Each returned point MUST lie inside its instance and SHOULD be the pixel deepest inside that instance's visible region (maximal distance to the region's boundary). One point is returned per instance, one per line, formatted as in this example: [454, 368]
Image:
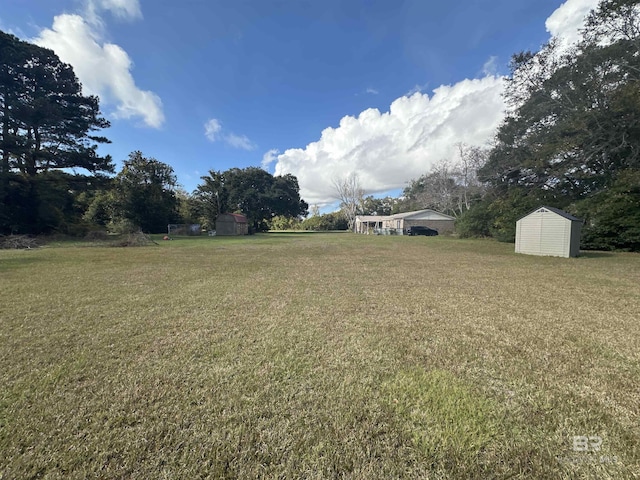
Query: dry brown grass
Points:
[317, 356]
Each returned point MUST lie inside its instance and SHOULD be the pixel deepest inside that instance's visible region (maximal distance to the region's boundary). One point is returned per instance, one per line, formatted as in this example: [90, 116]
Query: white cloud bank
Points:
[104, 69]
[213, 132]
[388, 149]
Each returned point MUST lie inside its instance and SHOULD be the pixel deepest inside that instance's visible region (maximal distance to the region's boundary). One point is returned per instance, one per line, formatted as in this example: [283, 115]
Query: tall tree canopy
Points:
[253, 192]
[576, 121]
[46, 124]
[145, 193]
[573, 131]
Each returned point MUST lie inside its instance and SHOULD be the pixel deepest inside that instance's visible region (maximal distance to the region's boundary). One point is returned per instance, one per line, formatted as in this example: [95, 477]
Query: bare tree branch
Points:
[351, 195]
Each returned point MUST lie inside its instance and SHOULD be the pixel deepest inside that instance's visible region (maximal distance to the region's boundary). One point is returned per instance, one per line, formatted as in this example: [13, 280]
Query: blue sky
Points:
[384, 88]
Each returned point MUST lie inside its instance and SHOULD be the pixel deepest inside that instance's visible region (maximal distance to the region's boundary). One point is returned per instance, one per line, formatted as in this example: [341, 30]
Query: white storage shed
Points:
[548, 231]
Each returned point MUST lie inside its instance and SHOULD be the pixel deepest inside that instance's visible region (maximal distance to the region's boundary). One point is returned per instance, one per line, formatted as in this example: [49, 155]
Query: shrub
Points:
[96, 235]
[612, 216]
[123, 227]
[328, 221]
[475, 222]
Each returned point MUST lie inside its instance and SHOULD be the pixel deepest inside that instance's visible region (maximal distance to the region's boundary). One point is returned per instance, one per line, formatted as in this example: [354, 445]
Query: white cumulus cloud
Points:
[390, 148]
[105, 69]
[567, 20]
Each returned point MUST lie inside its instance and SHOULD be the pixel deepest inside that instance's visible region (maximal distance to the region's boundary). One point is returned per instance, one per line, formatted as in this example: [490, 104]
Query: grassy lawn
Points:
[318, 356]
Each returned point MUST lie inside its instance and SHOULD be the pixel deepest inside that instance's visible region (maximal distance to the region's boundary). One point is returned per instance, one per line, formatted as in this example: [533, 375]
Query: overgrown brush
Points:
[137, 239]
[18, 242]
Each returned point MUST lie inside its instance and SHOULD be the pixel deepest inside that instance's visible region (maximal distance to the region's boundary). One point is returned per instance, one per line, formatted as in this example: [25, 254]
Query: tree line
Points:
[570, 139]
[52, 178]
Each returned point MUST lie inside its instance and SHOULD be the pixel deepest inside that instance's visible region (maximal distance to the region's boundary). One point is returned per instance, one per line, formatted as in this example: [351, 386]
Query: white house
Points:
[400, 222]
[548, 231]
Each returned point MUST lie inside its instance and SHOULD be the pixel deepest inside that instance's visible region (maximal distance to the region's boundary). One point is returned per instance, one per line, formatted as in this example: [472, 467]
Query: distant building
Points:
[548, 231]
[232, 224]
[400, 222]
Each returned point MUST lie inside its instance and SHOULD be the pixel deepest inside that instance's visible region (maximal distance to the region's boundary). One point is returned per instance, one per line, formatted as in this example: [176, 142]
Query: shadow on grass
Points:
[301, 232]
[595, 254]
[7, 264]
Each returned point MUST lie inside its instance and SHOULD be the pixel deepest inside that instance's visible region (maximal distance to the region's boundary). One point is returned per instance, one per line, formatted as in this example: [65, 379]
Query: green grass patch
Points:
[448, 420]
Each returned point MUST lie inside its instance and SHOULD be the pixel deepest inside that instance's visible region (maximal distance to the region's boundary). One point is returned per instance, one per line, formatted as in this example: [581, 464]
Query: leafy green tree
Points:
[46, 124]
[190, 209]
[101, 208]
[326, 222]
[280, 222]
[612, 216]
[475, 222]
[378, 206]
[251, 191]
[211, 197]
[496, 216]
[145, 193]
[573, 132]
[578, 124]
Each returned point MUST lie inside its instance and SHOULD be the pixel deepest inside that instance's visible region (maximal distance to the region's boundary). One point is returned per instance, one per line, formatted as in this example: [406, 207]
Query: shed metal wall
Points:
[547, 233]
[528, 234]
[225, 227]
[555, 233]
[576, 231]
[227, 224]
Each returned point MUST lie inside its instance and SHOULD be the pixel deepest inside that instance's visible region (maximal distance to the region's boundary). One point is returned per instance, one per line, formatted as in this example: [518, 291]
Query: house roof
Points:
[557, 211]
[426, 214]
[371, 218]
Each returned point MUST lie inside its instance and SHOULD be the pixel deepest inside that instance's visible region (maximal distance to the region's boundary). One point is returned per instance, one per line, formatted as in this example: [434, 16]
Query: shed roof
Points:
[239, 218]
[557, 211]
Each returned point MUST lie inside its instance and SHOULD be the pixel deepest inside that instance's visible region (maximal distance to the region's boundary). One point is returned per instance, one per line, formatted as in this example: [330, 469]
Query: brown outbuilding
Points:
[232, 224]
